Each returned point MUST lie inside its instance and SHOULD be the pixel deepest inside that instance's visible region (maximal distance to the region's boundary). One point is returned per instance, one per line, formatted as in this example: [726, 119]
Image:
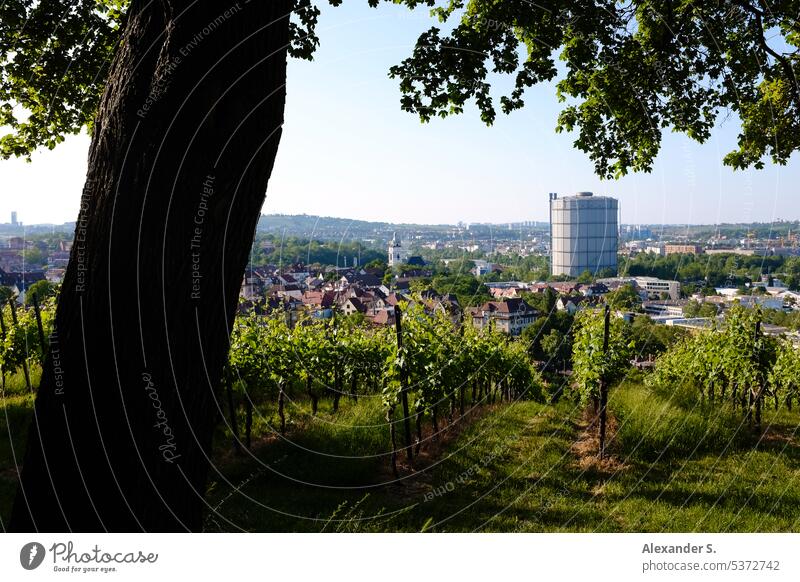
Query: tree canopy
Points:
[625, 71]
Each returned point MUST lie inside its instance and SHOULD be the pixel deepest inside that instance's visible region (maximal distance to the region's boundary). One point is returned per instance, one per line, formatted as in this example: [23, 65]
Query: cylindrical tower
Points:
[584, 234]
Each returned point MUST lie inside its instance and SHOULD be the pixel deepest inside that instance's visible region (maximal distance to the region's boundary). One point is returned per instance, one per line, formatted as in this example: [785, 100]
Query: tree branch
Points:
[780, 58]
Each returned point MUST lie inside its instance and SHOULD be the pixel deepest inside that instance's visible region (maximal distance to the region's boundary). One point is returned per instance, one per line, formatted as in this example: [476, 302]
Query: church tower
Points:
[398, 255]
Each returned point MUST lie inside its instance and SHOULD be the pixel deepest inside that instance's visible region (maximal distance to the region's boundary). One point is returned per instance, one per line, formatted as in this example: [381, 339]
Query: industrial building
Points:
[584, 234]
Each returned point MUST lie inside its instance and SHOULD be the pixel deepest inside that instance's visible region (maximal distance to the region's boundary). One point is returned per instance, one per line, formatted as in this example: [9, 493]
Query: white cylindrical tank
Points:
[584, 234]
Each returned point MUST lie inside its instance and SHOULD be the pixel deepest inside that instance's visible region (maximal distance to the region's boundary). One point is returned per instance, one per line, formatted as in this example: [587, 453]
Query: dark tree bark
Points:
[182, 150]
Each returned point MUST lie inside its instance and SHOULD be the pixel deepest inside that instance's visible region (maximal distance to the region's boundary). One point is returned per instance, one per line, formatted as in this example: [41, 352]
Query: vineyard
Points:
[336, 425]
[735, 365]
[426, 370]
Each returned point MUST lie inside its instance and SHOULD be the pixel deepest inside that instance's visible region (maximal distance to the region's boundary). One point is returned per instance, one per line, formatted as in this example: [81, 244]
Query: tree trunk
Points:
[183, 147]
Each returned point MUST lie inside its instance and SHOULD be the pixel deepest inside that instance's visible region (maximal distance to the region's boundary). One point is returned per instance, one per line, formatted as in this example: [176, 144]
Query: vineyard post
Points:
[25, 359]
[39, 325]
[3, 337]
[281, 405]
[393, 438]
[760, 388]
[398, 322]
[604, 386]
[237, 445]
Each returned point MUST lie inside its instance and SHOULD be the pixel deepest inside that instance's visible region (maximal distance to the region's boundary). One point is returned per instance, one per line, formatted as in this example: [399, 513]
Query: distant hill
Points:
[330, 228]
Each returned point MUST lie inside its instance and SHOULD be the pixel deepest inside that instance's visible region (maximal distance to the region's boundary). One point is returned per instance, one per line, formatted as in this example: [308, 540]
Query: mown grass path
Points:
[524, 468]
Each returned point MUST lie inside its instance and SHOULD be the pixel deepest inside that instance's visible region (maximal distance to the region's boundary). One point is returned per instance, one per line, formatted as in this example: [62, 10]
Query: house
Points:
[292, 290]
[353, 305]
[449, 305]
[19, 281]
[256, 282]
[595, 290]
[572, 303]
[364, 280]
[484, 268]
[504, 292]
[55, 276]
[319, 299]
[565, 287]
[510, 316]
[383, 317]
[58, 258]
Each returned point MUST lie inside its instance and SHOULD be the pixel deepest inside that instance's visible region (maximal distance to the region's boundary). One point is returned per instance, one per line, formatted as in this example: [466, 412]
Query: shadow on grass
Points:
[15, 418]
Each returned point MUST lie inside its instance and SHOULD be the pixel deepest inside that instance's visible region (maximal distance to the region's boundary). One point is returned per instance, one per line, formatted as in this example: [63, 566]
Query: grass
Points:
[677, 468]
[678, 465]
[15, 418]
[663, 426]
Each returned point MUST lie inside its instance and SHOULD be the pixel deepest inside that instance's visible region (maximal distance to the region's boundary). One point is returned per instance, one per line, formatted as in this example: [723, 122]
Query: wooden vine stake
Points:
[398, 322]
[25, 370]
[604, 387]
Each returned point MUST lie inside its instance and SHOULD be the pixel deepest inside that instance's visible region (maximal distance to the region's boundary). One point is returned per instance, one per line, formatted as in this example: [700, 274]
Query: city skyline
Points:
[349, 151]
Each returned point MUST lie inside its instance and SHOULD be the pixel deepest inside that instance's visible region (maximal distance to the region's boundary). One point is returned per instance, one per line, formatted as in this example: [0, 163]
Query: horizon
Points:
[777, 221]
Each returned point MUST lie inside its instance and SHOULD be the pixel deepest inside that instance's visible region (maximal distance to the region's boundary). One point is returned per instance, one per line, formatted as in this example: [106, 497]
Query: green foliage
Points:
[469, 290]
[733, 359]
[591, 363]
[697, 309]
[625, 297]
[651, 339]
[712, 270]
[316, 356]
[54, 57]
[556, 325]
[22, 343]
[291, 250]
[631, 70]
[42, 290]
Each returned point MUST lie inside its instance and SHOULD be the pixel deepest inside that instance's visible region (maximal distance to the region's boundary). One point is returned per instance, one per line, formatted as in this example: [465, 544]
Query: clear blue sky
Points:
[349, 151]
